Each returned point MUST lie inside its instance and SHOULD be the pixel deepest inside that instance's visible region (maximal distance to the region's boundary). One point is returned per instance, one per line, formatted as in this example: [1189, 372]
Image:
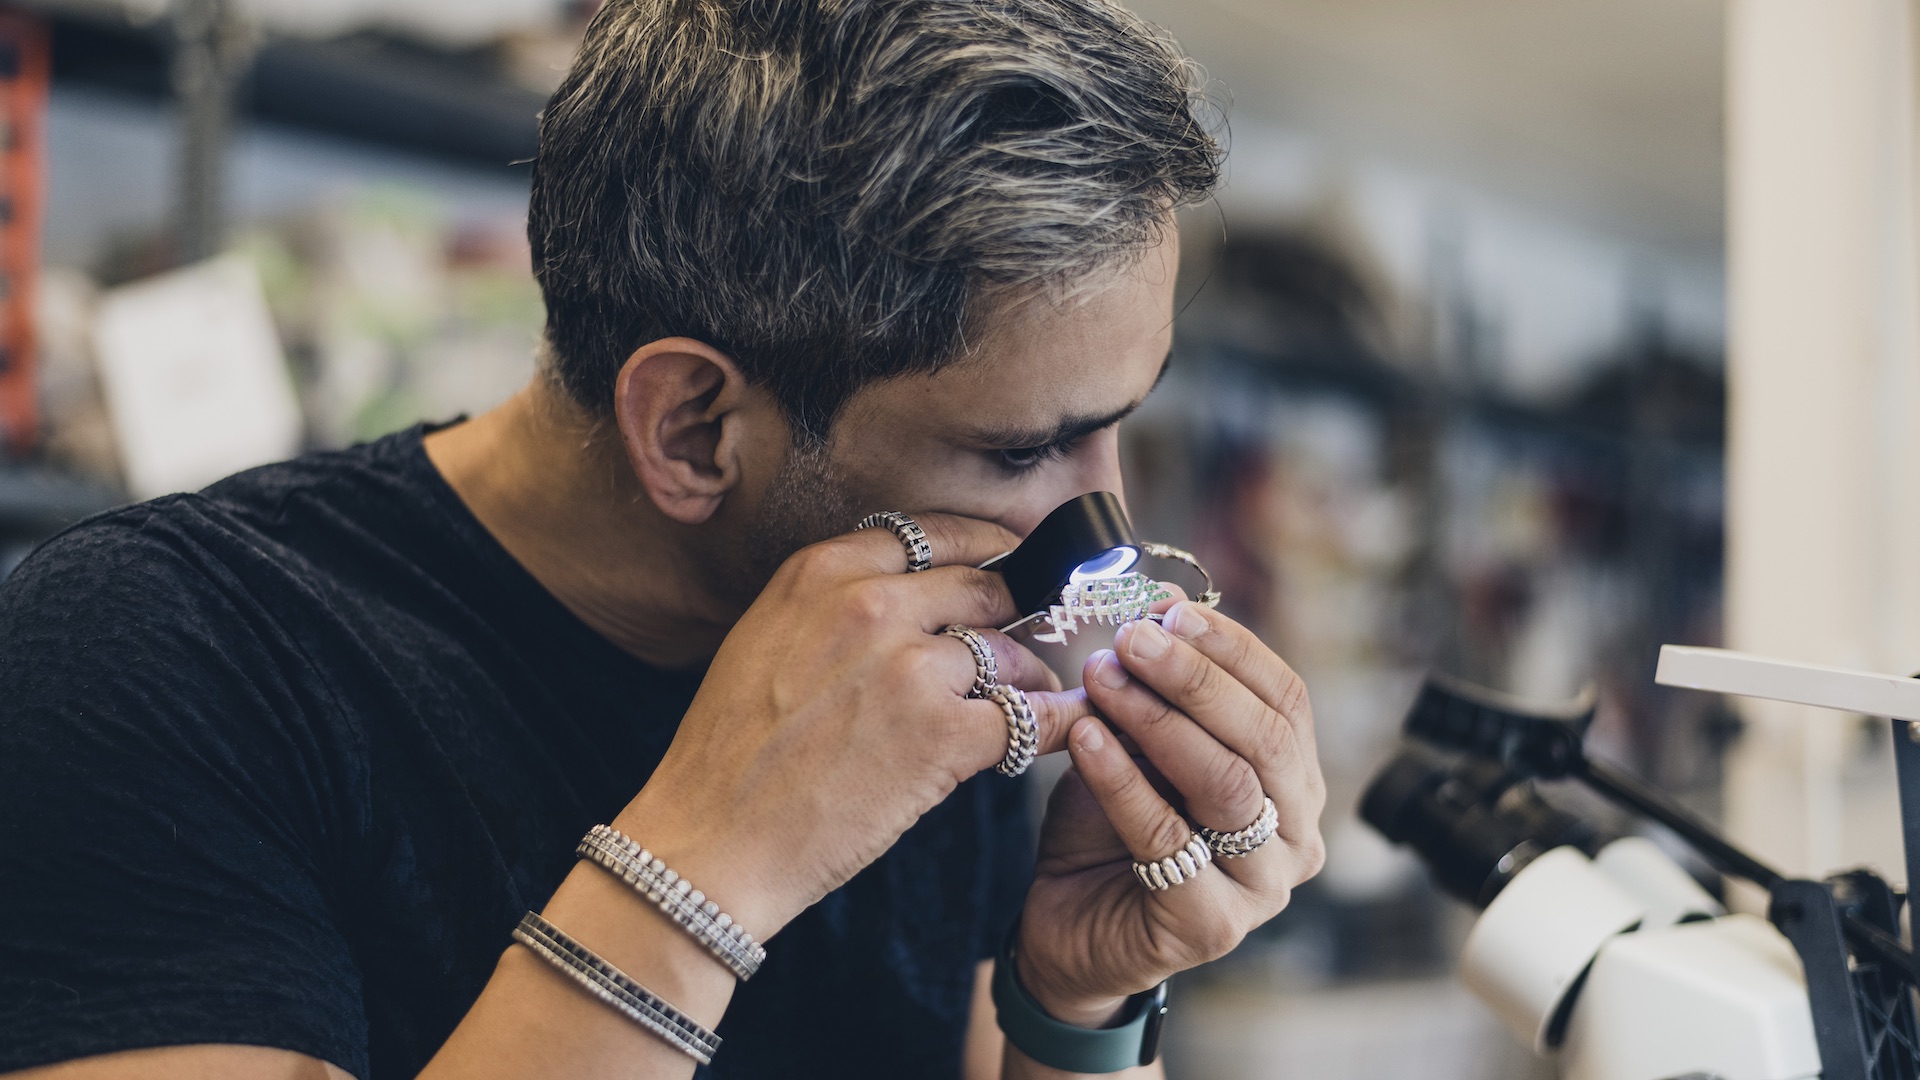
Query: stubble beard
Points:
[809, 500]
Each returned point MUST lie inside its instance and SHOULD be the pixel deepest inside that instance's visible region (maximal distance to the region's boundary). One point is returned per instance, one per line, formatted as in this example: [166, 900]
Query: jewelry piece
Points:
[1207, 597]
[1104, 601]
[687, 906]
[1023, 732]
[1181, 866]
[986, 667]
[613, 987]
[912, 536]
[1232, 845]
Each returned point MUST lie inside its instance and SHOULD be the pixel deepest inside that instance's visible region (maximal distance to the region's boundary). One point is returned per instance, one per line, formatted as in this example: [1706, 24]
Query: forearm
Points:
[532, 1021]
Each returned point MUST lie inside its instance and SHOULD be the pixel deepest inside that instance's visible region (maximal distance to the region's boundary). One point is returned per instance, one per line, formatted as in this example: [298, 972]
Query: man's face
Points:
[1026, 423]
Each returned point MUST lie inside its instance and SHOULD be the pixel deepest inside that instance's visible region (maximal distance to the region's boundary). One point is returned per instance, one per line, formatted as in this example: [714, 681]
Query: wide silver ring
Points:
[986, 666]
[1023, 732]
[912, 537]
[1178, 868]
[1232, 845]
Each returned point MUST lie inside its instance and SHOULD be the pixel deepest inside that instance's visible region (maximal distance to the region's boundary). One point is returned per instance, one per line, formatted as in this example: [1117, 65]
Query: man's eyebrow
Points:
[1068, 429]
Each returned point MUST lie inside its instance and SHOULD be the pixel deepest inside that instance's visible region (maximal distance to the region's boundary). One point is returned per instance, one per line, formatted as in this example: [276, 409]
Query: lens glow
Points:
[1107, 564]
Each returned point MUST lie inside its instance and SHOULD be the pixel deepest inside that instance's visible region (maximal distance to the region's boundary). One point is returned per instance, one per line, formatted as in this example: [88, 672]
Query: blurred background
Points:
[1450, 390]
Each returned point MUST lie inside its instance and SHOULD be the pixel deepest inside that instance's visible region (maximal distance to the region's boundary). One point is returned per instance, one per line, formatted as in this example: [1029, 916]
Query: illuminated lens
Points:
[1111, 563]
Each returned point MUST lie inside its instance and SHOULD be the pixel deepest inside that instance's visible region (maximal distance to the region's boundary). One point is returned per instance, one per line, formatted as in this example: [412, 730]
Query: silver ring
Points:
[986, 667]
[1232, 845]
[912, 537]
[1023, 732]
[1181, 866]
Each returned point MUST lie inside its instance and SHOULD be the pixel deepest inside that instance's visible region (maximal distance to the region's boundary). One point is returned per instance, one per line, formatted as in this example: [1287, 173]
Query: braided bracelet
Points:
[613, 987]
[675, 896]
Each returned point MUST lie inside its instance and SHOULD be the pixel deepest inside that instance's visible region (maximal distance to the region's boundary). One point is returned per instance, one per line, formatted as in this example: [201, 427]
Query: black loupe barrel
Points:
[1079, 531]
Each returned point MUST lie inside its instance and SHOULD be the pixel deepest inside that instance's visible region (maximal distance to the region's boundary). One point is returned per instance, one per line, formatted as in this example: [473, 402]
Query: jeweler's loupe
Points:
[1078, 566]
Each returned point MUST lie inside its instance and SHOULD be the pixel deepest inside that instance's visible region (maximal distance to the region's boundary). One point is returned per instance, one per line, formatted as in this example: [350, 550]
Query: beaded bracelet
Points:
[675, 896]
[613, 987]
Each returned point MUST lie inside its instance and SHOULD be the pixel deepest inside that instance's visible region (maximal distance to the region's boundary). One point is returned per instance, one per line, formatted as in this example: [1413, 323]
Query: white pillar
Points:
[1823, 529]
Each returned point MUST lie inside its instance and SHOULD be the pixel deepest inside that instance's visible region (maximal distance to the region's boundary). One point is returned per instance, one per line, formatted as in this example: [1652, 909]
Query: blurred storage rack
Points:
[198, 98]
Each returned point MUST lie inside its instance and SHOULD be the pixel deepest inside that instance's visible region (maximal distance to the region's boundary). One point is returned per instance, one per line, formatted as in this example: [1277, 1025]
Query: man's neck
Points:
[555, 490]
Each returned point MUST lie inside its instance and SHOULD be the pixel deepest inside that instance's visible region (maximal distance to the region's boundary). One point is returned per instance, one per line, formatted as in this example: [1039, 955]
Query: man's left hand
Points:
[1219, 722]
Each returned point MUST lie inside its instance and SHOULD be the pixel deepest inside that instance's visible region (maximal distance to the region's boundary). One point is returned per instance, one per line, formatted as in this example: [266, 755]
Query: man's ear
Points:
[678, 403]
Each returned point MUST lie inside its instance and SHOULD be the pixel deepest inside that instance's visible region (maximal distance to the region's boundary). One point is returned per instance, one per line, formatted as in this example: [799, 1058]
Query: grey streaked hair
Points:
[836, 191]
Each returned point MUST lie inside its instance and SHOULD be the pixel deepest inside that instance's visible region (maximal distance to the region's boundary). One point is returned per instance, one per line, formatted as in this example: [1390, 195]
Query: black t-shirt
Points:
[283, 762]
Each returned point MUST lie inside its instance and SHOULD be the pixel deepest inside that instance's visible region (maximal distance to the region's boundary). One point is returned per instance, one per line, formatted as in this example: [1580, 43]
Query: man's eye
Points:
[1025, 458]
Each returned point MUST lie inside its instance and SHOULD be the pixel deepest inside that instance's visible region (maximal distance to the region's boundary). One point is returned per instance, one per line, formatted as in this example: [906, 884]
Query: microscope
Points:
[1602, 951]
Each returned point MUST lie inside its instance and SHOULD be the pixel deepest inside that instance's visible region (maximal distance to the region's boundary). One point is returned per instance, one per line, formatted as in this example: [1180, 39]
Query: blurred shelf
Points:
[453, 105]
[1654, 399]
[37, 502]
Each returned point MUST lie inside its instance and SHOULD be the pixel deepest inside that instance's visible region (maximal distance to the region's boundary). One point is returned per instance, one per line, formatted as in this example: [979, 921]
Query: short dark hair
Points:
[830, 191]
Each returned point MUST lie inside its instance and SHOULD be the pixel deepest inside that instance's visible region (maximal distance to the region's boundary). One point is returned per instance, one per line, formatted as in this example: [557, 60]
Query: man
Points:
[283, 763]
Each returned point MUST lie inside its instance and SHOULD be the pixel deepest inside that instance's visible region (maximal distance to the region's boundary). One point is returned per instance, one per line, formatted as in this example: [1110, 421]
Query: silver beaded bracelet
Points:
[613, 987]
[676, 897]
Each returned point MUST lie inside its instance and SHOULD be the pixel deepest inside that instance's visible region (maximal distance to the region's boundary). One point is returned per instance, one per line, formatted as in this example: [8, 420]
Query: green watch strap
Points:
[1064, 1046]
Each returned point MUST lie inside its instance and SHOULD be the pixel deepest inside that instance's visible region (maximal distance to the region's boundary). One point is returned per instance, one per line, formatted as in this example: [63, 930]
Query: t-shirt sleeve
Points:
[164, 813]
[1011, 869]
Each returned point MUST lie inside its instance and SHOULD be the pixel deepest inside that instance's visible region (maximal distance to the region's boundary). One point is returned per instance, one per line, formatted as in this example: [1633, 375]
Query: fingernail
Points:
[1146, 640]
[1186, 621]
[1107, 670]
[1089, 736]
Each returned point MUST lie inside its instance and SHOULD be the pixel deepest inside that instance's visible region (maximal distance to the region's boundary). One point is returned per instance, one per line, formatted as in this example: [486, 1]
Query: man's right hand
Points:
[834, 716]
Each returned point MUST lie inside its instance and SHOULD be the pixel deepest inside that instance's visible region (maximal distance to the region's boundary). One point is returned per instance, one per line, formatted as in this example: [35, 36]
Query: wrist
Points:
[608, 917]
[725, 867]
[1080, 1010]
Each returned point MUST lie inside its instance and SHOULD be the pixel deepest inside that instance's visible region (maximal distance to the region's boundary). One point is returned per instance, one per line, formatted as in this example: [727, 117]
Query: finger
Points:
[1221, 789]
[948, 596]
[1145, 822]
[1279, 749]
[1241, 653]
[1014, 663]
[1056, 712]
[953, 540]
[1019, 665]
[983, 724]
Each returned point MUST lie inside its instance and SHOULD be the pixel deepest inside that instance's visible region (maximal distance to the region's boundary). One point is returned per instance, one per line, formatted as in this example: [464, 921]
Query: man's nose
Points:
[1100, 467]
[1095, 468]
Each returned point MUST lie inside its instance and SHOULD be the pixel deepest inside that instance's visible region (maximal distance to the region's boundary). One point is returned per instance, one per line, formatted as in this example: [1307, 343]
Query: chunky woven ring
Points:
[1232, 845]
[912, 537]
[1181, 866]
[986, 667]
[1023, 732]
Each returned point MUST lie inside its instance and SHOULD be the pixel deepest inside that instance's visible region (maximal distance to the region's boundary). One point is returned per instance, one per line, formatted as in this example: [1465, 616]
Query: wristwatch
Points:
[1075, 1049]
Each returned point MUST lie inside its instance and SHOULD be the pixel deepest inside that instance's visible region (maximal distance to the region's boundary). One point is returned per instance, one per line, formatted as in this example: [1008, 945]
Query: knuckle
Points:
[1244, 652]
[1316, 787]
[814, 560]
[1294, 702]
[1168, 834]
[1200, 682]
[1235, 785]
[1217, 935]
[919, 665]
[1277, 741]
[1155, 711]
[867, 603]
[989, 591]
[1311, 850]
